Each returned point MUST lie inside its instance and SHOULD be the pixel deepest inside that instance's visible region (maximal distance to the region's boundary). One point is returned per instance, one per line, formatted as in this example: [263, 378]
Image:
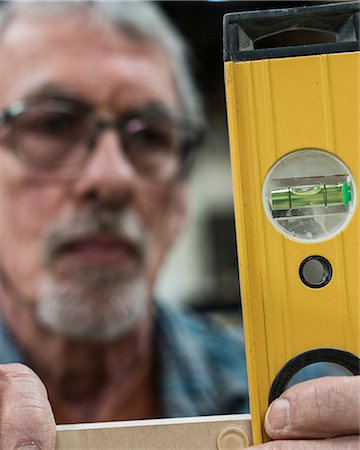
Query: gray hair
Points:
[141, 20]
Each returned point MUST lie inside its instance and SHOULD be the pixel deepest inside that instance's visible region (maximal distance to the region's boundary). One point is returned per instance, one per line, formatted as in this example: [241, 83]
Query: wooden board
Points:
[230, 432]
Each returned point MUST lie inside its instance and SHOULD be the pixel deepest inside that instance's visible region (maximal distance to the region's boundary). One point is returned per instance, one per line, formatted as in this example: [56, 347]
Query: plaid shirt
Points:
[201, 365]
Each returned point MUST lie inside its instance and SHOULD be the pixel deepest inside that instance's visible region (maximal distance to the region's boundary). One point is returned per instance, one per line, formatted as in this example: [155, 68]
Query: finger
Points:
[320, 408]
[343, 443]
[26, 417]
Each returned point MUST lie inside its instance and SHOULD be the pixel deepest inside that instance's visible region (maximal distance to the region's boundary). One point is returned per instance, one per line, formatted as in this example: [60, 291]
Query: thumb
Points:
[26, 418]
[320, 408]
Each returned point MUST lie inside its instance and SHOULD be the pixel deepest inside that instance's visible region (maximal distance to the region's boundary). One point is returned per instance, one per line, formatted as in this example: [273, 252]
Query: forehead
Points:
[85, 55]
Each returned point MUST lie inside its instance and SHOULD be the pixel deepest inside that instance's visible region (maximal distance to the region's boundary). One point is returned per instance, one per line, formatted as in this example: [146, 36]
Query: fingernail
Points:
[28, 446]
[278, 414]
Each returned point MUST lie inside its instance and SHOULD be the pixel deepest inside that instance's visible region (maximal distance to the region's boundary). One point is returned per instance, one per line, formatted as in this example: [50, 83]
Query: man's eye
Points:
[51, 124]
[154, 137]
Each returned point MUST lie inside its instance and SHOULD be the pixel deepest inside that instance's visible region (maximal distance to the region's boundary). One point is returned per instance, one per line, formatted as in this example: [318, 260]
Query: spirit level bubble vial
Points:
[296, 197]
[292, 87]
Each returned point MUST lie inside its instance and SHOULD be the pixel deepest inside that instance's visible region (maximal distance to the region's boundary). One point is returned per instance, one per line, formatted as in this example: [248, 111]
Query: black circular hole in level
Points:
[315, 271]
[342, 358]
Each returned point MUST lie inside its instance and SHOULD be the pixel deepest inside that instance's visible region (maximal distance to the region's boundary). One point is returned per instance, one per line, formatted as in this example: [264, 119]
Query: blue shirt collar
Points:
[9, 350]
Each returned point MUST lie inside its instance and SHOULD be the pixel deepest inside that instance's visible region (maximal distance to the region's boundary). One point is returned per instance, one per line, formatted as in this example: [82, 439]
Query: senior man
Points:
[99, 117]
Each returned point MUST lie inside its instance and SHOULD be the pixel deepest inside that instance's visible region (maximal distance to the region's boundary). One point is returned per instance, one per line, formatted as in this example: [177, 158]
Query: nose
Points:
[108, 176]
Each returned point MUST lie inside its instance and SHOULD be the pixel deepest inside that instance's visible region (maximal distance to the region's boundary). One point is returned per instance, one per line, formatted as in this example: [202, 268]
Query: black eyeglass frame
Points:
[193, 134]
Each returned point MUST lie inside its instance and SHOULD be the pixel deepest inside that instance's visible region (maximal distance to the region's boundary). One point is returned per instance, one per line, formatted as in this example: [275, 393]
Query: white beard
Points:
[97, 304]
[92, 311]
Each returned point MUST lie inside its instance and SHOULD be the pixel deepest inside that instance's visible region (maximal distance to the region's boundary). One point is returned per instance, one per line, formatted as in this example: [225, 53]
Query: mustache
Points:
[115, 223]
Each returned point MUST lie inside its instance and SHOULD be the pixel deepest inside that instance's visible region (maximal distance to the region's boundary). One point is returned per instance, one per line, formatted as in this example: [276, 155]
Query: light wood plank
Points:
[231, 432]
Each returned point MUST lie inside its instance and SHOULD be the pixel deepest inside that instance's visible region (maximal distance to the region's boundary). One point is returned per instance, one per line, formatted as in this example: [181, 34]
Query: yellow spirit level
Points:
[293, 114]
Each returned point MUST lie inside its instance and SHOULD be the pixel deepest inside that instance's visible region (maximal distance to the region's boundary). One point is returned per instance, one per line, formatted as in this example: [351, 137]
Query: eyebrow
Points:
[46, 90]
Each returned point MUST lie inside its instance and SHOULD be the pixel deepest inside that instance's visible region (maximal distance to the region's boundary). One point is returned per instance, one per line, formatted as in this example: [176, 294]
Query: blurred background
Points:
[202, 270]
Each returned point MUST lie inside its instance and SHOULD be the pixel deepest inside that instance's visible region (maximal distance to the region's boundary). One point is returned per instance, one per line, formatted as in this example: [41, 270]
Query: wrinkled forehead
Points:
[82, 52]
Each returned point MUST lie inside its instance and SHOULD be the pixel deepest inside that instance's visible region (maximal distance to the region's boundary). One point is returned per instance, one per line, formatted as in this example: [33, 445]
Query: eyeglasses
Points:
[59, 135]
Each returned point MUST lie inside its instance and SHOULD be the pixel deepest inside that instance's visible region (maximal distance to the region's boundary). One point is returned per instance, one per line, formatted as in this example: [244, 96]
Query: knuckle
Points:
[9, 371]
[322, 398]
[317, 402]
[320, 394]
[20, 378]
[331, 394]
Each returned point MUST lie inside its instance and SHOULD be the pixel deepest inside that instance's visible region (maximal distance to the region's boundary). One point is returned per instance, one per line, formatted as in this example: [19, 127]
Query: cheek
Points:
[154, 205]
[27, 206]
[162, 211]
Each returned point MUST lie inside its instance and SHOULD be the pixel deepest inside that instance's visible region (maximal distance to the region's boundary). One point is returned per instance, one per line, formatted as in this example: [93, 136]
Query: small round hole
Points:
[330, 360]
[315, 271]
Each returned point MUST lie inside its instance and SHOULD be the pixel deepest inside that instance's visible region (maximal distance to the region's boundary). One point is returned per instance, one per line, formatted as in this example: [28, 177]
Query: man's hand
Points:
[316, 415]
[26, 418]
